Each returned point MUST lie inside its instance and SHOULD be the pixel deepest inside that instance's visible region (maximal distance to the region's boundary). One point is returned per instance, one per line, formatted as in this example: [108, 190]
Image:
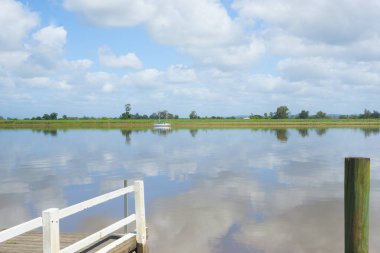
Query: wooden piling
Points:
[356, 204]
[140, 218]
[50, 218]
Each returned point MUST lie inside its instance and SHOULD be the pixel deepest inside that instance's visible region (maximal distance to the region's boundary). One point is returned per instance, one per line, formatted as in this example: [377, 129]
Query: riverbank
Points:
[189, 123]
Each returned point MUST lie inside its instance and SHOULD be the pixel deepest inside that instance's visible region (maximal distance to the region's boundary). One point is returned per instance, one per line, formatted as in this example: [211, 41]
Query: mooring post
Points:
[140, 217]
[356, 204]
[126, 206]
[50, 230]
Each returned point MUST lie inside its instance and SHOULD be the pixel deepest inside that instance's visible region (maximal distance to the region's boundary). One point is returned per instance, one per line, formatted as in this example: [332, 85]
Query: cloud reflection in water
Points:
[269, 191]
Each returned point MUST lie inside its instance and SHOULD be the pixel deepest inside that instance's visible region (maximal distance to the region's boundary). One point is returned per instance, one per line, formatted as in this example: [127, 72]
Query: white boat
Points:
[161, 125]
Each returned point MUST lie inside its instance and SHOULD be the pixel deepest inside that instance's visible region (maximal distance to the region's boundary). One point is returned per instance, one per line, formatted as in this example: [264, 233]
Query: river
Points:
[207, 191]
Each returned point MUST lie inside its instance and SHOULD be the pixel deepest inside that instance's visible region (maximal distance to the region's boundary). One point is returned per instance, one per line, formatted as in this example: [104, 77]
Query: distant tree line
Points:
[51, 116]
[163, 115]
[156, 115]
[54, 116]
[194, 115]
[367, 114]
[282, 112]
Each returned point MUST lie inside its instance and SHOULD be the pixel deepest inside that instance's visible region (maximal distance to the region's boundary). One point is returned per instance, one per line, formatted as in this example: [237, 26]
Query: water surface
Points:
[246, 190]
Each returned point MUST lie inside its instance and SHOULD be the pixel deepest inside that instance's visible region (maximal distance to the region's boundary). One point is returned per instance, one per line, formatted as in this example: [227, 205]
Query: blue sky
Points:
[230, 57]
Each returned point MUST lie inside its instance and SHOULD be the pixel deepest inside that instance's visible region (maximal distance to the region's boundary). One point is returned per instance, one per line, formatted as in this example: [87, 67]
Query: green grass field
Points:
[190, 123]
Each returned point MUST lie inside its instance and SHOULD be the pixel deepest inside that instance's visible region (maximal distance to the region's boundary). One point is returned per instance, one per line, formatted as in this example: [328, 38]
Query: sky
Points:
[228, 57]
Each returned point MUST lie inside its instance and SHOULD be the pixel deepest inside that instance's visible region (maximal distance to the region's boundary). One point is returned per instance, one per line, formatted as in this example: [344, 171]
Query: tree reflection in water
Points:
[321, 131]
[193, 132]
[370, 131]
[127, 133]
[47, 132]
[304, 132]
[282, 134]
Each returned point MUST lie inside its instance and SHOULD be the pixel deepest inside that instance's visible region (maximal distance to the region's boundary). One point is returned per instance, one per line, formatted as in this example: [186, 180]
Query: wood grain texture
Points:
[356, 204]
[31, 242]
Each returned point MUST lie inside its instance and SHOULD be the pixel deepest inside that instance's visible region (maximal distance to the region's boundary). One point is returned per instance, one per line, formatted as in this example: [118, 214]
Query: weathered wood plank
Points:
[98, 235]
[114, 246]
[356, 204]
[31, 242]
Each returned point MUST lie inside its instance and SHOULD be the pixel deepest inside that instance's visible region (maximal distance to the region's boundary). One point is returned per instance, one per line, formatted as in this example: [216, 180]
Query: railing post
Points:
[140, 217]
[356, 204]
[126, 206]
[50, 220]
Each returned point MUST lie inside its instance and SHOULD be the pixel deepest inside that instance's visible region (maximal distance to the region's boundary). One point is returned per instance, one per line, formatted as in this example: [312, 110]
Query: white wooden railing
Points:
[51, 217]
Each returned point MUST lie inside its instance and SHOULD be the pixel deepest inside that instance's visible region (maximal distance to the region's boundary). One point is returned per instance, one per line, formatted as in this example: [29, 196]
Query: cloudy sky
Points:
[227, 57]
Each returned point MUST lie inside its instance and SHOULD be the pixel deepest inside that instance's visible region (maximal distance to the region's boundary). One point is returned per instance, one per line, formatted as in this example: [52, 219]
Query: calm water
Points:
[274, 191]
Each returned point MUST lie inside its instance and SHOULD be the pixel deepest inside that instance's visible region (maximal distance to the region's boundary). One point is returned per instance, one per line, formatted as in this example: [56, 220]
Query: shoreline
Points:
[189, 124]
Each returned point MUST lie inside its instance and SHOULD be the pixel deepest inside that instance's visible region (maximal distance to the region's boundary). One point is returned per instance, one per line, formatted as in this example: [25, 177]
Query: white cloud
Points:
[144, 78]
[103, 82]
[98, 77]
[63, 85]
[108, 59]
[108, 88]
[201, 28]
[39, 60]
[332, 22]
[199, 23]
[270, 52]
[284, 44]
[231, 56]
[317, 69]
[15, 22]
[12, 59]
[81, 64]
[46, 82]
[6, 81]
[51, 37]
[204, 29]
[181, 74]
[119, 13]
[44, 55]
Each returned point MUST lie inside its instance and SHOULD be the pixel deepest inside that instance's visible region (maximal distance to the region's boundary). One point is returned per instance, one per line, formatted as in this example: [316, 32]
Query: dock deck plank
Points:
[32, 243]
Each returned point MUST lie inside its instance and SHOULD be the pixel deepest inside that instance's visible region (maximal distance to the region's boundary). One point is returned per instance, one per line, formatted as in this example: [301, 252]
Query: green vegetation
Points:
[320, 115]
[193, 115]
[281, 113]
[190, 123]
[159, 115]
[51, 116]
[303, 115]
[126, 114]
[280, 118]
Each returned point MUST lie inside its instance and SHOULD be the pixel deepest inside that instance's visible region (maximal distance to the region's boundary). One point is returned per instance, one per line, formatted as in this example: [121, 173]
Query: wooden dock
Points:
[32, 243]
[26, 238]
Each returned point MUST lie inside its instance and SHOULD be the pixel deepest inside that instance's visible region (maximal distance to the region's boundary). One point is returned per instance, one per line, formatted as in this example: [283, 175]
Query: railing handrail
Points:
[20, 229]
[51, 217]
[67, 211]
[98, 235]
